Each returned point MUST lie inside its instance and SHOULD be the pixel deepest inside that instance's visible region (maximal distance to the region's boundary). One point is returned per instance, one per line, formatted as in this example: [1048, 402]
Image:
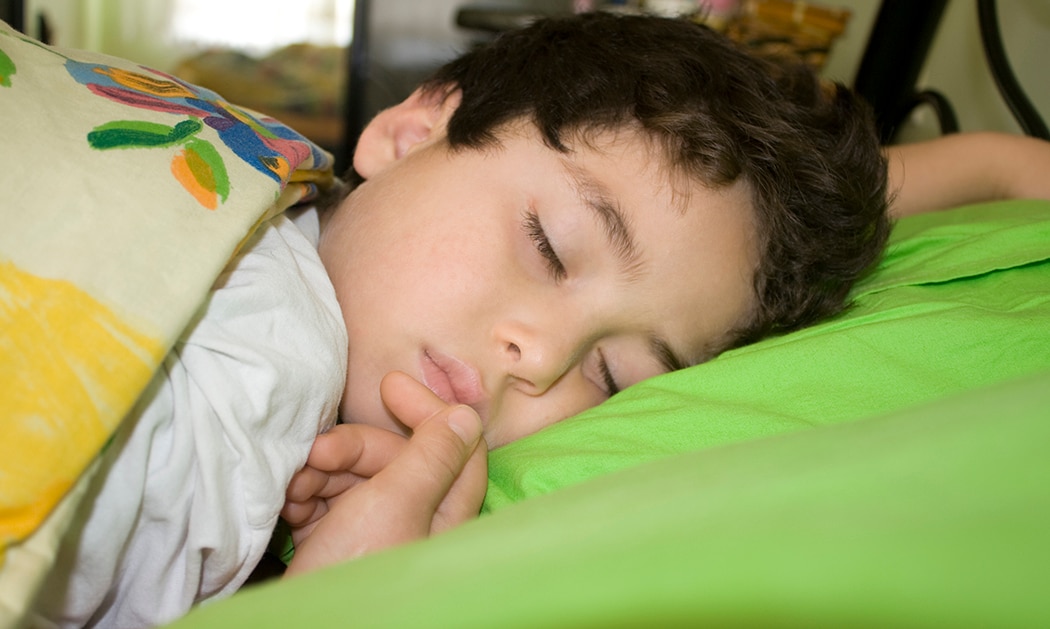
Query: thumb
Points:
[464, 421]
[464, 499]
[424, 472]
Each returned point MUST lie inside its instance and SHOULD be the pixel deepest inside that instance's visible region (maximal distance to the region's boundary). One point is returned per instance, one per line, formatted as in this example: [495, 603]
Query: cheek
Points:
[432, 284]
[458, 259]
[523, 415]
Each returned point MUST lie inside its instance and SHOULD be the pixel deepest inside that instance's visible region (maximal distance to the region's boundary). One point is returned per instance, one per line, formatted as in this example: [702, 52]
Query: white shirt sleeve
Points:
[192, 484]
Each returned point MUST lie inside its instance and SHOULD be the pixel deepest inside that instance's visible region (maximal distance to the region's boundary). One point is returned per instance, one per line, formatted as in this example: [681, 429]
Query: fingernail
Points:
[465, 422]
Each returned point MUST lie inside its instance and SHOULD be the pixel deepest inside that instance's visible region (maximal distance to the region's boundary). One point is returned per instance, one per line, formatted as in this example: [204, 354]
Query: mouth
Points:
[454, 381]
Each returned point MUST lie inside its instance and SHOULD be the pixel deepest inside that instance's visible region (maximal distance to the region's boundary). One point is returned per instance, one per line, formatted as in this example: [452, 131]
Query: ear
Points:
[394, 132]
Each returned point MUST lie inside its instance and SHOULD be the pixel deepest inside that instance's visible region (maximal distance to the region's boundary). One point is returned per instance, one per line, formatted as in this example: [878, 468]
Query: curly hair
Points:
[808, 150]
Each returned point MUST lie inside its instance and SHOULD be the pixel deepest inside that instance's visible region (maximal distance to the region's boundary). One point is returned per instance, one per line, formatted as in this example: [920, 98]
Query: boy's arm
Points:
[966, 168]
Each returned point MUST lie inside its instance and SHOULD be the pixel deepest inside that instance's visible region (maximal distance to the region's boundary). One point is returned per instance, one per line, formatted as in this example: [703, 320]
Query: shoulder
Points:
[275, 308]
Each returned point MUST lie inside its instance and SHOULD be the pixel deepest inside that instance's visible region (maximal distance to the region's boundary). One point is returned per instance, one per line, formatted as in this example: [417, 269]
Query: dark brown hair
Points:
[807, 149]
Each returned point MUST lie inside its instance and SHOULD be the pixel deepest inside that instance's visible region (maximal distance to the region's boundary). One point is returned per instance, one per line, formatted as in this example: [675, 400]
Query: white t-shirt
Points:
[191, 486]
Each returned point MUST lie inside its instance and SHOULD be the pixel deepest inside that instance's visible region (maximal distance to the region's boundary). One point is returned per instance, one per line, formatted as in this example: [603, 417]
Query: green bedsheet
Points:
[887, 468]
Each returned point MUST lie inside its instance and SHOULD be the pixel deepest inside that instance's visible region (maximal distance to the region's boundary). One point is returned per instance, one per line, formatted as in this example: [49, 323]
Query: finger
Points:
[398, 504]
[435, 456]
[305, 484]
[463, 501]
[303, 518]
[408, 399]
[299, 514]
[312, 483]
[356, 448]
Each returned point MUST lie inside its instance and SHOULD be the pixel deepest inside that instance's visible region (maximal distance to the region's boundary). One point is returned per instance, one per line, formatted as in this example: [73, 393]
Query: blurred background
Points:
[300, 61]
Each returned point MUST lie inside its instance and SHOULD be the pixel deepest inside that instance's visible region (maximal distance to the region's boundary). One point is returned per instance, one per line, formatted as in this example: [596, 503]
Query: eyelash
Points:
[536, 233]
[610, 383]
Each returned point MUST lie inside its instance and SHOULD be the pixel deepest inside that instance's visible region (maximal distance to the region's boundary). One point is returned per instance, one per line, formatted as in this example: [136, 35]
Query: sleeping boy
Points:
[581, 205]
[658, 206]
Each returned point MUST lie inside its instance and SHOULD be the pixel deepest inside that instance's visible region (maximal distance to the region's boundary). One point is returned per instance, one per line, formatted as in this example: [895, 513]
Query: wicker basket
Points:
[785, 27]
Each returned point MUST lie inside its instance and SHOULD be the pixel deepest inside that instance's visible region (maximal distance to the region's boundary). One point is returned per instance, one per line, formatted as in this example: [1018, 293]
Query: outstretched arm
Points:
[966, 168]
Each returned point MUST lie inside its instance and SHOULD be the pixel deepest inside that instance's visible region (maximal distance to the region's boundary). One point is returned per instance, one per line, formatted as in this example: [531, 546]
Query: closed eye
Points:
[534, 229]
[610, 383]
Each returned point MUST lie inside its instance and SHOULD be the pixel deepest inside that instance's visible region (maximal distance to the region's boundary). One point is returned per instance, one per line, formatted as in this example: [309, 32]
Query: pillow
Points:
[959, 301]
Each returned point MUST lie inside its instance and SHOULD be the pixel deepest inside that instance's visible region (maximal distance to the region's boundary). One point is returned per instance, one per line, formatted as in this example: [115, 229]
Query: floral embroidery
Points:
[7, 69]
[267, 145]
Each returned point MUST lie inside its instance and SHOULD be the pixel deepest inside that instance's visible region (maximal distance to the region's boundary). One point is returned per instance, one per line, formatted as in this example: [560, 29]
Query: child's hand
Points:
[343, 457]
[366, 488]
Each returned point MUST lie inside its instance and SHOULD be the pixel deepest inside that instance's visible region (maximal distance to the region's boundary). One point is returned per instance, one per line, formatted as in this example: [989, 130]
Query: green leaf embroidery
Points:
[137, 133]
[7, 69]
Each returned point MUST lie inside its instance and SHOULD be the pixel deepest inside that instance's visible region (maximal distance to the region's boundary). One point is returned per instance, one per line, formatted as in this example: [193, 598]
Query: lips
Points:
[453, 380]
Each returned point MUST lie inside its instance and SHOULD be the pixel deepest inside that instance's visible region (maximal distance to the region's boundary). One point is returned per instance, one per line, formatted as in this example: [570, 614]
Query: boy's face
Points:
[530, 283]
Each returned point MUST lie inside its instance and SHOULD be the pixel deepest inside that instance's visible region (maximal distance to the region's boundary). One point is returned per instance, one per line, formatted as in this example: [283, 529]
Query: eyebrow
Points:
[603, 203]
[665, 354]
[621, 240]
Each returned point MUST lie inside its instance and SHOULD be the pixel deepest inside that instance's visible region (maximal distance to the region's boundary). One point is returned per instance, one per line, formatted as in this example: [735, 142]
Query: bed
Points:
[886, 467]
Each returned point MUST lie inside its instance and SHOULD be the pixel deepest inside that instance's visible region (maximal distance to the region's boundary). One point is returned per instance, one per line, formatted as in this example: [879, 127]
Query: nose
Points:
[539, 356]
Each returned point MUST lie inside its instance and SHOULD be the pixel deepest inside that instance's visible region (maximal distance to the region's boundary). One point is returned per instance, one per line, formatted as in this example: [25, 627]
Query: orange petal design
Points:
[196, 177]
[163, 88]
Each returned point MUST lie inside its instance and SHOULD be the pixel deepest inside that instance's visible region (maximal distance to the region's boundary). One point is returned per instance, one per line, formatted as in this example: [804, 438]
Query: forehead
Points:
[697, 246]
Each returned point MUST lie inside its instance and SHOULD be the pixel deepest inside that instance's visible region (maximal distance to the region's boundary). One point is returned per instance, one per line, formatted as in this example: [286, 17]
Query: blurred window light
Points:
[262, 25]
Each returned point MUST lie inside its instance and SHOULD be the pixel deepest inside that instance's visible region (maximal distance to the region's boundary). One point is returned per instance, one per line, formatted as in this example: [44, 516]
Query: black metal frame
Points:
[355, 113]
[14, 13]
[1009, 87]
[896, 51]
